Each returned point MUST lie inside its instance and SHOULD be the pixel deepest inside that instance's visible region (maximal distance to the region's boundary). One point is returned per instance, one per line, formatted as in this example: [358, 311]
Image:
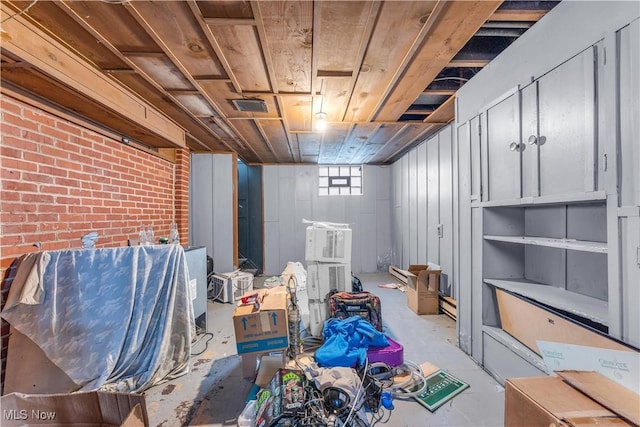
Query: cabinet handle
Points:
[515, 146]
[533, 140]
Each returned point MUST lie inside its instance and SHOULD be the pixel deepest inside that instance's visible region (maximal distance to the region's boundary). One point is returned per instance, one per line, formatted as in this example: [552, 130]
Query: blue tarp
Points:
[347, 341]
[117, 319]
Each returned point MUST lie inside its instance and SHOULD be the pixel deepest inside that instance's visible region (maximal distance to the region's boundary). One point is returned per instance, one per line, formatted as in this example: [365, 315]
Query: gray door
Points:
[422, 204]
[433, 200]
[503, 146]
[566, 140]
[463, 279]
[446, 211]
[243, 212]
[211, 200]
[414, 239]
[629, 183]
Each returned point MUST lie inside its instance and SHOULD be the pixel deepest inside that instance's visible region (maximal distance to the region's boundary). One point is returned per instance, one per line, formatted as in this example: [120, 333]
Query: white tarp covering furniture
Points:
[118, 319]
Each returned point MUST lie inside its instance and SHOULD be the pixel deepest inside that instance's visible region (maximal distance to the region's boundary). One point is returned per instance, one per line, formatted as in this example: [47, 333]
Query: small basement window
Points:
[340, 180]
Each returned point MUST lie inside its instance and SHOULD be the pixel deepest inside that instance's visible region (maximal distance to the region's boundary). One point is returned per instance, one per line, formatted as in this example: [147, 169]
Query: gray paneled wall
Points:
[422, 181]
[291, 195]
[211, 207]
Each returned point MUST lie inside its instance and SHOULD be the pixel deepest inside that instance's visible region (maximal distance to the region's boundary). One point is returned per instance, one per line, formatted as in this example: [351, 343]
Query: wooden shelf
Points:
[572, 244]
[587, 307]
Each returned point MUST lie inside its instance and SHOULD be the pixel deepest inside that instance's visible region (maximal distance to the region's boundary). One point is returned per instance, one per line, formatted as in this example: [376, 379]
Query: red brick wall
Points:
[61, 180]
[182, 194]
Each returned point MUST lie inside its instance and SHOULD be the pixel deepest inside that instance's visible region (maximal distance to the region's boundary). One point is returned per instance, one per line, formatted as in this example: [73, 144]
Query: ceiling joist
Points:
[385, 73]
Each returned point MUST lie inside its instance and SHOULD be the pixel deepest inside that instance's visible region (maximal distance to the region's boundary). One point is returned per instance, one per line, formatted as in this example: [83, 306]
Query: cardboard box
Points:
[88, 409]
[422, 288]
[262, 327]
[29, 370]
[269, 365]
[549, 401]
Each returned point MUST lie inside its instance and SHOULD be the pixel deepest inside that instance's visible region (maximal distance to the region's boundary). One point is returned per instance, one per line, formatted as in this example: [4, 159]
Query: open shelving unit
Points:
[581, 305]
[553, 256]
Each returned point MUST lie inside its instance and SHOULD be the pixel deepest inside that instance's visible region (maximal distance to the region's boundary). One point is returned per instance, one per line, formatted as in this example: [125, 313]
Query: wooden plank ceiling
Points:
[384, 73]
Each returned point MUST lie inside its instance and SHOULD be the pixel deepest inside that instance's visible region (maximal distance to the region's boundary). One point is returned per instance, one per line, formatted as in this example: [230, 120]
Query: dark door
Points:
[250, 232]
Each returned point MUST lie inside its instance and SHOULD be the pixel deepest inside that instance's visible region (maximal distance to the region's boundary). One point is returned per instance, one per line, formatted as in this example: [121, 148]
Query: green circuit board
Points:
[441, 388]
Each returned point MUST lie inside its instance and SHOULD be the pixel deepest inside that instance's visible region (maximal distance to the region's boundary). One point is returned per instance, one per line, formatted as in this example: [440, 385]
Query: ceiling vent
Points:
[251, 105]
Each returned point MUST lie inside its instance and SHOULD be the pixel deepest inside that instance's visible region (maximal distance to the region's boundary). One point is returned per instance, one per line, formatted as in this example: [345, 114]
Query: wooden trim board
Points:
[55, 61]
[448, 306]
[399, 274]
[529, 323]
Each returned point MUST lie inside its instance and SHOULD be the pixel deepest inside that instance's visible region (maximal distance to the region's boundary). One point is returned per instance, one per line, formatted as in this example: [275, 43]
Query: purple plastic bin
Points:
[393, 355]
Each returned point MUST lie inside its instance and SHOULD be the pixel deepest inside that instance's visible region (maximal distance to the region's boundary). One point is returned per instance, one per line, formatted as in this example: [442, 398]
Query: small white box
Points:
[318, 313]
[328, 244]
[323, 277]
[229, 287]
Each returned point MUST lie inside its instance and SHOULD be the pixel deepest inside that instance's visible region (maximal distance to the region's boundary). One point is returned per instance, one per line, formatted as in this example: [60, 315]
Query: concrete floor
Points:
[214, 392]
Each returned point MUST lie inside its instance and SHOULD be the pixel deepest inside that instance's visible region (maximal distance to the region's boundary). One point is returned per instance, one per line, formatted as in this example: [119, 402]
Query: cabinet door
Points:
[566, 140]
[629, 89]
[475, 161]
[503, 146]
[530, 158]
[630, 245]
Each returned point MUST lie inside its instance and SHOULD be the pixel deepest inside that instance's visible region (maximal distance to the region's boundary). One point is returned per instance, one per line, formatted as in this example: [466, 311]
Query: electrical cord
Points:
[399, 390]
[360, 388]
[206, 344]
[210, 278]
[415, 372]
[375, 419]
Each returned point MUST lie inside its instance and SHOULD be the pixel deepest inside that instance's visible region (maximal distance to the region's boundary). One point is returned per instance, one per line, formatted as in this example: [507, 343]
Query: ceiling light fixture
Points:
[321, 116]
[321, 121]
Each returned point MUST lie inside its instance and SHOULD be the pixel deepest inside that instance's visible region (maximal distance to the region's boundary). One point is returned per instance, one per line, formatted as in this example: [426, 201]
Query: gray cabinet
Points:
[630, 250]
[503, 148]
[543, 228]
[560, 132]
[541, 139]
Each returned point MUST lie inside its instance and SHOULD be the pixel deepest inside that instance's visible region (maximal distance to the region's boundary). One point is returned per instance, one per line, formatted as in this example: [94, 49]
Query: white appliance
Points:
[326, 244]
[318, 312]
[230, 287]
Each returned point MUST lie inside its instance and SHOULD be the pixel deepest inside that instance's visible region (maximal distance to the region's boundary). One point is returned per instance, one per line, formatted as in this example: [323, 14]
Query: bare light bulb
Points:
[321, 121]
